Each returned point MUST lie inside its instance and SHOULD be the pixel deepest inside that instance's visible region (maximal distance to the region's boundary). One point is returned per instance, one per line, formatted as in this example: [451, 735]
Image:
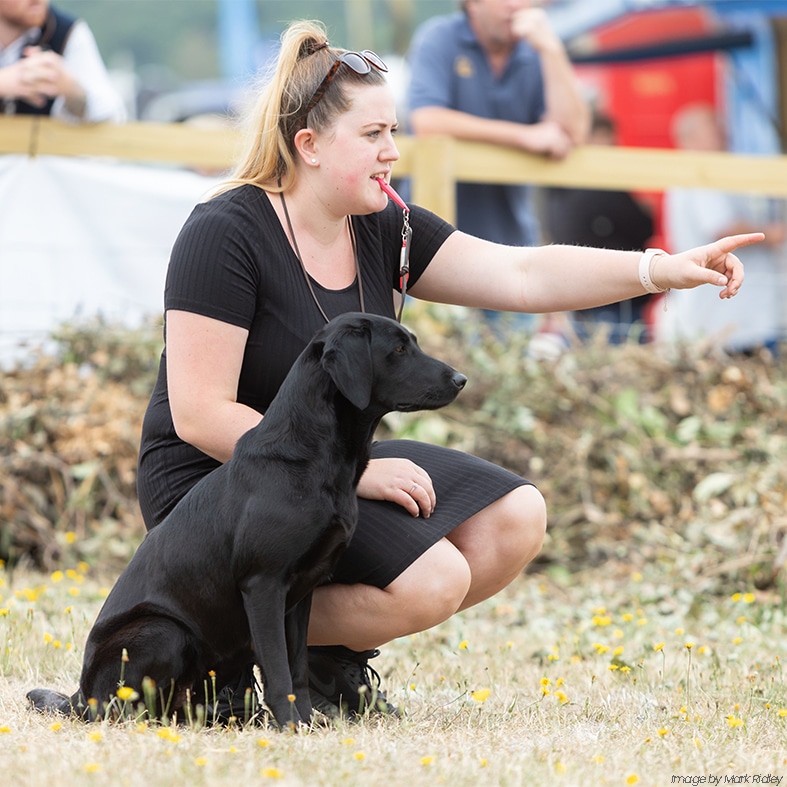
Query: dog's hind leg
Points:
[264, 602]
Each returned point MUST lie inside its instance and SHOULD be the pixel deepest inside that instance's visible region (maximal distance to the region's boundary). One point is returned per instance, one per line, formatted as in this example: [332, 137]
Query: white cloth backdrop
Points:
[85, 237]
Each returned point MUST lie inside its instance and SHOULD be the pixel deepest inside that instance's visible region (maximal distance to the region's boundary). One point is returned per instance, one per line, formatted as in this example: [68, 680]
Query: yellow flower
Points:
[598, 759]
[733, 721]
[736, 597]
[600, 648]
[782, 712]
[628, 617]
[97, 735]
[428, 760]
[5, 728]
[92, 767]
[748, 598]
[561, 697]
[618, 650]
[201, 762]
[601, 620]
[346, 741]
[168, 735]
[633, 779]
[55, 726]
[71, 537]
[481, 695]
[126, 693]
[689, 645]
[4, 611]
[740, 619]
[737, 640]
[359, 755]
[271, 773]
[483, 762]
[463, 645]
[264, 742]
[663, 731]
[57, 576]
[545, 681]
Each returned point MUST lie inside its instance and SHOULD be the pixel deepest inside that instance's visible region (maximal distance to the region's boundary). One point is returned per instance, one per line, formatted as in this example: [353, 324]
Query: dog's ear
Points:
[347, 357]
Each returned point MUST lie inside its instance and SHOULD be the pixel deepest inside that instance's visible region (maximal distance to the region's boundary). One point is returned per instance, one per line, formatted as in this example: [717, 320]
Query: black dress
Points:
[233, 262]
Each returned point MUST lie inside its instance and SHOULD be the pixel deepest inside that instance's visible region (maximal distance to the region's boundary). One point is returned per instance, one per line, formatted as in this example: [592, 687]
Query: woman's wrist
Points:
[646, 265]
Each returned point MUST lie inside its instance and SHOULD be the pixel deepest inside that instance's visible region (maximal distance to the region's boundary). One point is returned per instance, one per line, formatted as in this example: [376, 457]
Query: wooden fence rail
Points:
[434, 164]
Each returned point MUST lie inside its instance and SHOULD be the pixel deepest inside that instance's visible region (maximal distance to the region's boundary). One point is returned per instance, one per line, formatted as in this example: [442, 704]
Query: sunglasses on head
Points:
[360, 62]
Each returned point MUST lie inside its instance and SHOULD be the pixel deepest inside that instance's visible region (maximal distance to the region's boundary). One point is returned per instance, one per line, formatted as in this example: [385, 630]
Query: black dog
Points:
[227, 577]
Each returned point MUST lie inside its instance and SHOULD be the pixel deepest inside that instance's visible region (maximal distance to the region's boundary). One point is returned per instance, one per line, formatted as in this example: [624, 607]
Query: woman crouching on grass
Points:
[302, 232]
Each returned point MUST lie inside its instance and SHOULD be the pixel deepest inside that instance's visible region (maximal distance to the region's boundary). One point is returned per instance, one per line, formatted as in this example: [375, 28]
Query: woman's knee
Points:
[433, 588]
[524, 520]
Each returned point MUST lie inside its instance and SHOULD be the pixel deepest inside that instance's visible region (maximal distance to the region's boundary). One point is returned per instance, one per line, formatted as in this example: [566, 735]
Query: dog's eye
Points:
[400, 349]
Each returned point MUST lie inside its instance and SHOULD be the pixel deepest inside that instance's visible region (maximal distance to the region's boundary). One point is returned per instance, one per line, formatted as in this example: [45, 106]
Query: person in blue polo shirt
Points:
[496, 72]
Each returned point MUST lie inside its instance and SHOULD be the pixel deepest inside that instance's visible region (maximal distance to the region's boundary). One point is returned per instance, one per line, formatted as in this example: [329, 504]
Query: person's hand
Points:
[532, 26]
[402, 482]
[547, 138]
[712, 264]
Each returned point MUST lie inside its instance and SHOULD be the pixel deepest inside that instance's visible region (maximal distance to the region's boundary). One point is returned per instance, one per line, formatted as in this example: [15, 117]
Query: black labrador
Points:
[227, 577]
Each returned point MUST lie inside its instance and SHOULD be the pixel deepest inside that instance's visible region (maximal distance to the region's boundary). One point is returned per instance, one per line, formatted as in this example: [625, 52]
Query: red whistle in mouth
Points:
[391, 192]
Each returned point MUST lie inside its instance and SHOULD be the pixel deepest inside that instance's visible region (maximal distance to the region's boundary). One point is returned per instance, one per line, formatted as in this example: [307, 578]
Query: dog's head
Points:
[377, 365]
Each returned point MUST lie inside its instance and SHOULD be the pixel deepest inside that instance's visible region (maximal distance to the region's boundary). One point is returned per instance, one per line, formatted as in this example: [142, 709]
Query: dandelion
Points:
[663, 731]
[57, 576]
[561, 697]
[73, 592]
[272, 773]
[359, 755]
[481, 695]
[96, 735]
[544, 682]
[599, 759]
[689, 645]
[348, 741]
[428, 760]
[736, 597]
[628, 617]
[625, 668]
[680, 631]
[601, 620]
[740, 619]
[600, 648]
[782, 713]
[737, 640]
[55, 726]
[70, 537]
[4, 728]
[618, 651]
[91, 767]
[748, 598]
[201, 762]
[126, 693]
[263, 742]
[734, 721]
[632, 779]
[165, 733]
[4, 611]
[463, 645]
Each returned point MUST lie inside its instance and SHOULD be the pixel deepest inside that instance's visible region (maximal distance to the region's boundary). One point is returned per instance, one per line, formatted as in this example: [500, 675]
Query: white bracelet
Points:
[645, 261]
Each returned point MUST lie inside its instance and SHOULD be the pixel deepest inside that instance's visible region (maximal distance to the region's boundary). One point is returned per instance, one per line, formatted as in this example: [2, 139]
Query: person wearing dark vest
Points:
[50, 65]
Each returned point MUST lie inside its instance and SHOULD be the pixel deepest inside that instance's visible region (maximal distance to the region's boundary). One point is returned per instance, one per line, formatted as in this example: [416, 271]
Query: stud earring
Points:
[314, 160]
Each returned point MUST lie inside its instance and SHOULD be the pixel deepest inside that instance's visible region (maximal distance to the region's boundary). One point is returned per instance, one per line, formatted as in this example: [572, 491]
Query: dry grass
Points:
[618, 680]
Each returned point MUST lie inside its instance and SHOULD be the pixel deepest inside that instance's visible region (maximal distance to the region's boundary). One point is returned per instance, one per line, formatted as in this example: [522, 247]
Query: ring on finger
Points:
[412, 489]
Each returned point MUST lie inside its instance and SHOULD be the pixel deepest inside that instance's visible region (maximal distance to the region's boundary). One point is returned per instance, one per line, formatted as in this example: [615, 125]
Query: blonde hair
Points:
[304, 59]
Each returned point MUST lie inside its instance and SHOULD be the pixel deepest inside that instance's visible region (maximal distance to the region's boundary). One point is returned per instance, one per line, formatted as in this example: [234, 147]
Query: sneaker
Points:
[342, 678]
